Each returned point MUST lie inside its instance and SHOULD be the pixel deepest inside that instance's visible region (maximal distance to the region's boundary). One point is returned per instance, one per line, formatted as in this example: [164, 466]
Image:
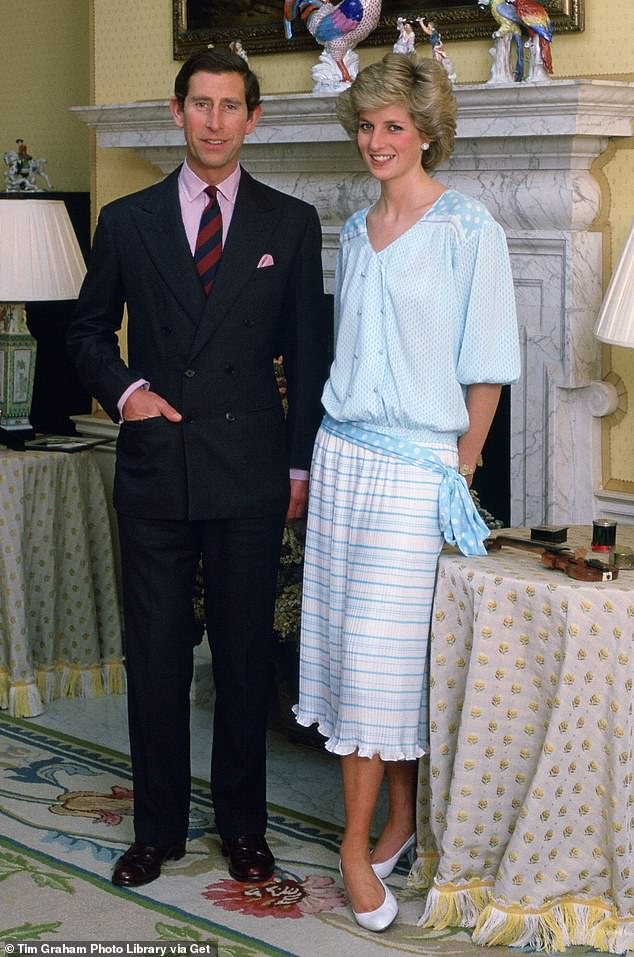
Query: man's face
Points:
[215, 120]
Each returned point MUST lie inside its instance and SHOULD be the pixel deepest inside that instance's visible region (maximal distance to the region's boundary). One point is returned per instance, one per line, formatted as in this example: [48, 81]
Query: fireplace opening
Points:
[492, 480]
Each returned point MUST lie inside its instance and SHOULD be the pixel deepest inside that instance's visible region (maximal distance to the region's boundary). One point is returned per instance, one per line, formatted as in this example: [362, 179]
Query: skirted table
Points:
[60, 630]
[525, 808]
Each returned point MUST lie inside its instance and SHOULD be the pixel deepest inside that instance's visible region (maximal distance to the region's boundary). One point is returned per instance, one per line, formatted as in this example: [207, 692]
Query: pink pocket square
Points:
[266, 260]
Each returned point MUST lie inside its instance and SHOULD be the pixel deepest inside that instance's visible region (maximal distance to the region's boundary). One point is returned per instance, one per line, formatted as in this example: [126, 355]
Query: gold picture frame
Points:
[259, 23]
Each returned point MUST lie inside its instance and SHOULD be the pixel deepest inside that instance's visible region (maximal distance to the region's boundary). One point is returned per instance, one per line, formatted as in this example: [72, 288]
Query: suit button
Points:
[229, 370]
[190, 373]
[248, 323]
[189, 419]
[230, 417]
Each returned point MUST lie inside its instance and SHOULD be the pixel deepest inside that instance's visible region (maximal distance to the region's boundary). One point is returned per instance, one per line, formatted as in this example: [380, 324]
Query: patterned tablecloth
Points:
[60, 631]
[525, 826]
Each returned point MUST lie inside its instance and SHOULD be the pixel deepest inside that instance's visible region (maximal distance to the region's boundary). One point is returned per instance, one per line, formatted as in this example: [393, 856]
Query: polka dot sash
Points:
[460, 521]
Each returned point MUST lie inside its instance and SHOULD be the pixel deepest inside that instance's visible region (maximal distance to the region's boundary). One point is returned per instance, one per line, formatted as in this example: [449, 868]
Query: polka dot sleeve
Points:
[489, 348]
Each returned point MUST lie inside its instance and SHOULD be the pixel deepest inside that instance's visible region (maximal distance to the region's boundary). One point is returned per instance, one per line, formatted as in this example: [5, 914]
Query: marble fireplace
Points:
[527, 152]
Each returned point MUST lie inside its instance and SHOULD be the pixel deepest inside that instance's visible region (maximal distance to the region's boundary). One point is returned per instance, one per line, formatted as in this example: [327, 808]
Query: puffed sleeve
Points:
[488, 350]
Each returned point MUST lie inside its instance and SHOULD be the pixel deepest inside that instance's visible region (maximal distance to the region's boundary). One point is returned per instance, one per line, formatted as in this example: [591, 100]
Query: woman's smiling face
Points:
[389, 142]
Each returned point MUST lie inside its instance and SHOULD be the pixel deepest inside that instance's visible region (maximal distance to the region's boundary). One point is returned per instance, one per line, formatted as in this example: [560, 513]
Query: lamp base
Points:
[17, 367]
[14, 423]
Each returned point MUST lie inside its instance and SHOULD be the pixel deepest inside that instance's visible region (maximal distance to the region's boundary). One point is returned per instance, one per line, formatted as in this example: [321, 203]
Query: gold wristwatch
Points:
[466, 470]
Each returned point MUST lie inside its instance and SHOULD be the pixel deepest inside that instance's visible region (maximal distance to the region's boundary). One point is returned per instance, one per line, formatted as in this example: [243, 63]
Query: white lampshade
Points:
[40, 258]
[615, 324]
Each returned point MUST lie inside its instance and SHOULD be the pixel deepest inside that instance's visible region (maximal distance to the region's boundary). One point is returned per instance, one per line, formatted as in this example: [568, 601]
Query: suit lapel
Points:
[159, 221]
[254, 219]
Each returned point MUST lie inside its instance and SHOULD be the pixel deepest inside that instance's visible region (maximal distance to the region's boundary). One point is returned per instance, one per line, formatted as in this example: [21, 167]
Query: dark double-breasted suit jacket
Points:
[229, 458]
[209, 358]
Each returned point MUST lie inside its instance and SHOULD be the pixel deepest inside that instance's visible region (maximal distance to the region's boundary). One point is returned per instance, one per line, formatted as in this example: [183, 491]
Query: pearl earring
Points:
[425, 146]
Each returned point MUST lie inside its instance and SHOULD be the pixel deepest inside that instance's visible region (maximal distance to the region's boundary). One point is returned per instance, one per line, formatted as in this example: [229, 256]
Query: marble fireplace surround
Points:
[526, 151]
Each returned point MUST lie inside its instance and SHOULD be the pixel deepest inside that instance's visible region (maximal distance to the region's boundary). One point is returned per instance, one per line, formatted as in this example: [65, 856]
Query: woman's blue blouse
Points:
[418, 322]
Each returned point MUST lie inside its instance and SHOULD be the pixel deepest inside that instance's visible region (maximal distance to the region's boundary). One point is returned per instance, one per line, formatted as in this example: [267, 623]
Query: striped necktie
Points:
[209, 242]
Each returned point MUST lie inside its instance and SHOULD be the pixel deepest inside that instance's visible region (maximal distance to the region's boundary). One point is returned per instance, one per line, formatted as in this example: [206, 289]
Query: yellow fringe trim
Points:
[114, 675]
[26, 699]
[554, 927]
[4, 689]
[422, 873]
[614, 935]
[455, 905]
[91, 683]
[72, 681]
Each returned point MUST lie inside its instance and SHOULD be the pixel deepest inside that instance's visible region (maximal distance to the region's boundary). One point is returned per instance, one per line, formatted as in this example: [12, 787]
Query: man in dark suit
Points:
[207, 463]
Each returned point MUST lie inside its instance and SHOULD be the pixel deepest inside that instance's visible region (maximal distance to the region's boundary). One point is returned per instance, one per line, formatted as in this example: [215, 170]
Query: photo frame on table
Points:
[63, 443]
[259, 25]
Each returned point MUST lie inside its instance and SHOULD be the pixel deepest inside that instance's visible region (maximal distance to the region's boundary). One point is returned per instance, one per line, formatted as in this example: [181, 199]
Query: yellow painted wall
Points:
[44, 68]
[133, 58]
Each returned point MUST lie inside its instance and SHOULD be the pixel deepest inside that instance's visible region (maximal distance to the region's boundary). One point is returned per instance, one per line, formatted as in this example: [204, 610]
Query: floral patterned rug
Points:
[65, 808]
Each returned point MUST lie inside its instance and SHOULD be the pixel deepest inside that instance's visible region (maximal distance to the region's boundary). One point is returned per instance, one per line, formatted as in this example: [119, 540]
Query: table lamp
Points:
[615, 324]
[40, 261]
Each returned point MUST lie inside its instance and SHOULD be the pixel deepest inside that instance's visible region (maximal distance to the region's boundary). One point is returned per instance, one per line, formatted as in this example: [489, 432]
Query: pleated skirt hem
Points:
[335, 747]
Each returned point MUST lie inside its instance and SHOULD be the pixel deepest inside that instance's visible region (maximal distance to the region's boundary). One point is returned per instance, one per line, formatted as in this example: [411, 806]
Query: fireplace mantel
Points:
[561, 107]
[526, 150]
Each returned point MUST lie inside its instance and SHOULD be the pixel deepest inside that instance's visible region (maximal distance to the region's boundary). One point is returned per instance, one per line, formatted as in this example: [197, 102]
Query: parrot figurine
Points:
[338, 27]
[509, 24]
[535, 19]
[516, 18]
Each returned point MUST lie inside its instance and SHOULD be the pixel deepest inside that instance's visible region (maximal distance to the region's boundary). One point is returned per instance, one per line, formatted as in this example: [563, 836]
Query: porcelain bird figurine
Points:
[517, 17]
[337, 27]
[509, 25]
[540, 31]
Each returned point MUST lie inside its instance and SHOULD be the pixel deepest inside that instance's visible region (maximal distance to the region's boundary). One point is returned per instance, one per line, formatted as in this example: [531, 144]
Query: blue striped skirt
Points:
[372, 546]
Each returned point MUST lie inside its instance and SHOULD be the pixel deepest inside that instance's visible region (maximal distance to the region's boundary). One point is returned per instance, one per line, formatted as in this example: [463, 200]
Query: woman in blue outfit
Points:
[426, 333]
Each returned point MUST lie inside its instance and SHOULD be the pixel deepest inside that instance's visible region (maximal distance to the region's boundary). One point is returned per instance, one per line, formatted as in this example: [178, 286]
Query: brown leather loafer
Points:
[141, 863]
[250, 858]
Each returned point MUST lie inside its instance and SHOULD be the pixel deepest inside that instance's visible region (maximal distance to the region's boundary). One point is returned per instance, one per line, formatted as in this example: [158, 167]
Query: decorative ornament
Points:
[20, 177]
[522, 24]
[438, 51]
[236, 47]
[327, 76]
[338, 28]
[406, 42]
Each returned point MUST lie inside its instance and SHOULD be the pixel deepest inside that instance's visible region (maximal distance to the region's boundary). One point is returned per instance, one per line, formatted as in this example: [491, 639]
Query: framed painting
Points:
[259, 23]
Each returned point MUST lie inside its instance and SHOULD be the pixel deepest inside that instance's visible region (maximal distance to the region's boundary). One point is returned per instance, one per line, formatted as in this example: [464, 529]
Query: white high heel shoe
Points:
[381, 917]
[385, 868]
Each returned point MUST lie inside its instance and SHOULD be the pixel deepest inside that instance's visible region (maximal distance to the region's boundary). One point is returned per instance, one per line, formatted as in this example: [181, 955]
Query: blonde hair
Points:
[422, 86]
